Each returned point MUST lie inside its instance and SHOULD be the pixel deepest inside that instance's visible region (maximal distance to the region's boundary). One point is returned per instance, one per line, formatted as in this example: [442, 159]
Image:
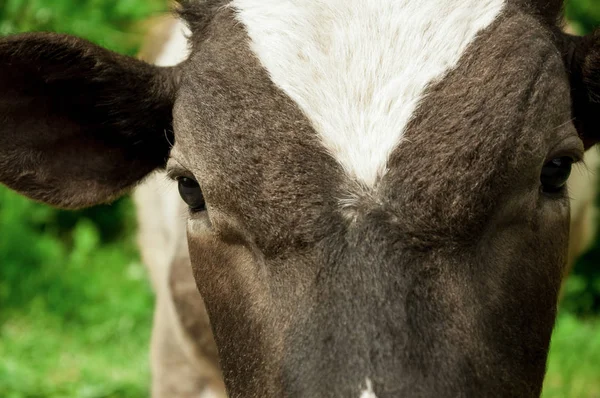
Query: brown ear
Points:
[549, 10]
[582, 58]
[79, 124]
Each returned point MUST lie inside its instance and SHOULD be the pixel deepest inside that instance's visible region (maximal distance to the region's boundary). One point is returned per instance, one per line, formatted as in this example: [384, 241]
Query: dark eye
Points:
[555, 174]
[190, 192]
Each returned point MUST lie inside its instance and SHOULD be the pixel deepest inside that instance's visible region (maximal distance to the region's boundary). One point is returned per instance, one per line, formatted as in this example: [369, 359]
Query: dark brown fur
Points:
[437, 208]
[442, 281]
[68, 137]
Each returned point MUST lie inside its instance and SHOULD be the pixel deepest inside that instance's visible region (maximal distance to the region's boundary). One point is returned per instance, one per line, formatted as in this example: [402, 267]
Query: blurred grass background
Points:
[75, 304]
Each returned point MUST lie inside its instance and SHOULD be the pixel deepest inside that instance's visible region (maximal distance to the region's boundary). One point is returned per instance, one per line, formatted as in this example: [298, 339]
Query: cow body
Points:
[376, 191]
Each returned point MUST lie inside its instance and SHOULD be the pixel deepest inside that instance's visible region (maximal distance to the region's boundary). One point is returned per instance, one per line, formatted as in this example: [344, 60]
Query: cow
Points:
[376, 190]
[184, 359]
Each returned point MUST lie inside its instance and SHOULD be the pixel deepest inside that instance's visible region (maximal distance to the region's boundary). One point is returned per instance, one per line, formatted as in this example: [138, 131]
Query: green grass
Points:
[574, 363]
[110, 23]
[585, 14]
[46, 356]
[75, 305]
[76, 308]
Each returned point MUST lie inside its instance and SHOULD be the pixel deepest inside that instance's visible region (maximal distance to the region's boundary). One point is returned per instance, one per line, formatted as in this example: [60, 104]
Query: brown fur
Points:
[183, 353]
[262, 226]
[47, 104]
[442, 281]
[580, 191]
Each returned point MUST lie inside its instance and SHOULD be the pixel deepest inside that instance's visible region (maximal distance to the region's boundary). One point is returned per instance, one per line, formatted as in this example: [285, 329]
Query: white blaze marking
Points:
[368, 393]
[176, 49]
[359, 68]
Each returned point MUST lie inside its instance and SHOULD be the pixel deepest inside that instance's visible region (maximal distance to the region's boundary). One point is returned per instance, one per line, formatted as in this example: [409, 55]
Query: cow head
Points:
[376, 189]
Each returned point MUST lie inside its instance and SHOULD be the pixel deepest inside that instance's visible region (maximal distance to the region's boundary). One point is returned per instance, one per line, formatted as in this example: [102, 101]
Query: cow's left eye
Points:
[190, 192]
[555, 174]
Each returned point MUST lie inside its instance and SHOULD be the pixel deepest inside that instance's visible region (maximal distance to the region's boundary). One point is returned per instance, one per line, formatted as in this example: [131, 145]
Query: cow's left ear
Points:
[79, 124]
[582, 58]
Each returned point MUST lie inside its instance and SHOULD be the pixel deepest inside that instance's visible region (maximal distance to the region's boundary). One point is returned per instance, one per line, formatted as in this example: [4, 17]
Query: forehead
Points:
[301, 105]
[358, 69]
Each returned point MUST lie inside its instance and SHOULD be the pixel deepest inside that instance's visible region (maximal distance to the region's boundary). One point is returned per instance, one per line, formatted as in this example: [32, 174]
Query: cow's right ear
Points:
[582, 59]
[79, 124]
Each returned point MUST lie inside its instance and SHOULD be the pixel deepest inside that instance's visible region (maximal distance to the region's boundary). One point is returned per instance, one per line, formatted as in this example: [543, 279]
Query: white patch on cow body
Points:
[210, 393]
[358, 69]
[176, 50]
[368, 392]
[161, 212]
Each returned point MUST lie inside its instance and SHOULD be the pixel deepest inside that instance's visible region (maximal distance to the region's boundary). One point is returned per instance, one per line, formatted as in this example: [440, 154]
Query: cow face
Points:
[376, 189]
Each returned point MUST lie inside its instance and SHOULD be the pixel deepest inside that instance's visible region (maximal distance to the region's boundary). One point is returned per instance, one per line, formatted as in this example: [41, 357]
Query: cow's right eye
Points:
[190, 192]
[555, 174]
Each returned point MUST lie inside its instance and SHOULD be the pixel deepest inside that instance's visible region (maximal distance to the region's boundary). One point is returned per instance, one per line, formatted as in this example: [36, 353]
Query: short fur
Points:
[442, 281]
[199, 13]
[349, 68]
[79, 99]
[183, 353]
[265, 236]
[583, 56]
